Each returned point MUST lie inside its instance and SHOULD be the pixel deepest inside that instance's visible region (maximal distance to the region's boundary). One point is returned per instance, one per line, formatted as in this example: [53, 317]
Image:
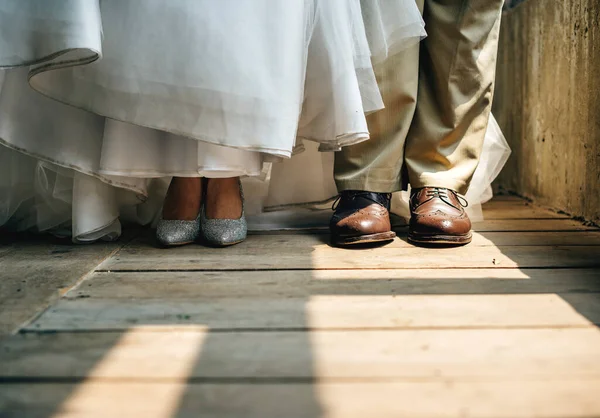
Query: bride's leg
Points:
[183, 199]
[224, 222]
[223, 198]
[180, 223]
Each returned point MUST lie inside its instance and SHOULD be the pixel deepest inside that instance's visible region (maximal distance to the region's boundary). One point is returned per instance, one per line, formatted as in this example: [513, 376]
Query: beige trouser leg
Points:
[376, 164]
[457, 70]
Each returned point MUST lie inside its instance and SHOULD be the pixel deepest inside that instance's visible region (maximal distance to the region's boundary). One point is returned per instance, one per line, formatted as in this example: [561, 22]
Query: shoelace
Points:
[442, 194]
[351, 195]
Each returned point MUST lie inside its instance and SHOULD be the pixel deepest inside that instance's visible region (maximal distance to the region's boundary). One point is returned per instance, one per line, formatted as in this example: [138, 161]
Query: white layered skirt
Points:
[101, 102]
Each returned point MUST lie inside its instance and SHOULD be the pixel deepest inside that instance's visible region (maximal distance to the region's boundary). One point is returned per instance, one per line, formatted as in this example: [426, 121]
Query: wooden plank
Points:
[324, 312]
[507, 198]
[498, 225]
[290, 252]
[568, 238]
[527, 212]
[193, 352]
[498, 202]
[319, 220]
[480, 239]
[36, 272]
[330, 299]
[305, 283]
[499, 216]
[520, 205]
[503, 225]
[548, 398]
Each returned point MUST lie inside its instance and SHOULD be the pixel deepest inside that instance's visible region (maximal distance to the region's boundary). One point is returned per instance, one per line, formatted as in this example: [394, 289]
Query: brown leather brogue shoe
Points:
[361, 217]
[438, 217]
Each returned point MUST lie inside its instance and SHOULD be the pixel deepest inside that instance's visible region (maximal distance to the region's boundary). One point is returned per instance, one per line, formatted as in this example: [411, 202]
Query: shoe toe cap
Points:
[223, 232]
[174, 232]
[362, 223]
[439, 223]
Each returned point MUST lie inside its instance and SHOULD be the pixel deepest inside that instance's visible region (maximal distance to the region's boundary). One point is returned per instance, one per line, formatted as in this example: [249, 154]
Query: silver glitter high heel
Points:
[174, 232]
[223, 232]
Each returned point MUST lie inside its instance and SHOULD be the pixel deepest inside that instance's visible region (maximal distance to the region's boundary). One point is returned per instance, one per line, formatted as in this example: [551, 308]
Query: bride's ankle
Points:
[223, 198]
[183, 199]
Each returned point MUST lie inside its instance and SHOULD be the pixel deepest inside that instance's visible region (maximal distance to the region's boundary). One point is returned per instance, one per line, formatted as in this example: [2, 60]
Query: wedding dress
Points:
[102, 101]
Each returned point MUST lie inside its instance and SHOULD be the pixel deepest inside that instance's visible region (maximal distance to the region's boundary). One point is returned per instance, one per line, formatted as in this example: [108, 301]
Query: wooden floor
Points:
[285, 326]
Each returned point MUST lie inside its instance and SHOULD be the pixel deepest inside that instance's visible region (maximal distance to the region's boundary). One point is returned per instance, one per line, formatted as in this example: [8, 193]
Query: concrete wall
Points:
[548, 103]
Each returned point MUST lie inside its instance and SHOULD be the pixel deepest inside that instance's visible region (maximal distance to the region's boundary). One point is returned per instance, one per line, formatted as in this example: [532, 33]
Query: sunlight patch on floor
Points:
[124, 361]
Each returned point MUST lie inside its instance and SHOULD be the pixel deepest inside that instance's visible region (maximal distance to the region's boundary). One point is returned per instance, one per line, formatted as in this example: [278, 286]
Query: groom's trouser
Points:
[438, 98]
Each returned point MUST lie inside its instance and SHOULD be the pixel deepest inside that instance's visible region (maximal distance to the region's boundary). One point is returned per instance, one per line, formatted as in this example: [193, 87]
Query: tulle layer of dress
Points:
[102, 101]
[249, 74]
